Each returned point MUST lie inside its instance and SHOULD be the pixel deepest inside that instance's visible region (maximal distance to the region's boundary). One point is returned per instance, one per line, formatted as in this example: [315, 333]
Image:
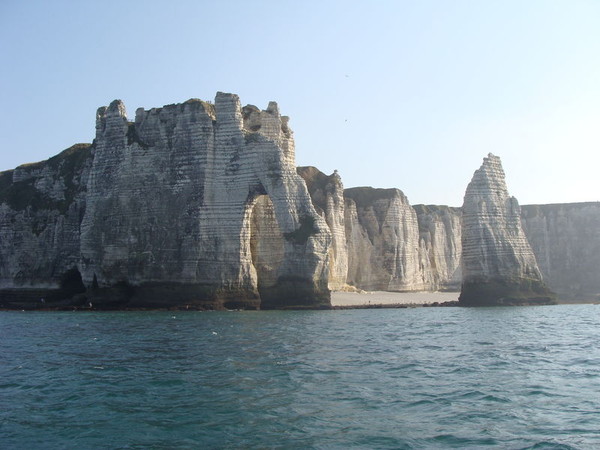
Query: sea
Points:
[414, 378]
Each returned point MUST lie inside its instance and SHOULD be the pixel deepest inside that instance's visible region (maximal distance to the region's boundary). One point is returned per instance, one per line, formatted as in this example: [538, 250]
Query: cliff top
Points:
[431, 209]
[366, 195]
[315, 177]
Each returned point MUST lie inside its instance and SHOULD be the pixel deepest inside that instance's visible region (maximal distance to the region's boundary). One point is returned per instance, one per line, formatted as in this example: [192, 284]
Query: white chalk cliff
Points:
[383, 240]
[566, 241]
[440, 246]
[200, 205]
[163, 210]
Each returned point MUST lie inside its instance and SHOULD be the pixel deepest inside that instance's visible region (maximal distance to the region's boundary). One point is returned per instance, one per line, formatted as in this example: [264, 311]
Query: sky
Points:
[405, 94]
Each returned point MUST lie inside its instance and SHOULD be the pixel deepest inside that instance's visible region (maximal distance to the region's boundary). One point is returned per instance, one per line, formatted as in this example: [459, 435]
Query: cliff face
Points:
[327, 195]
[499, 266]
[380, 242]
[144, 195]
[440, 246]
[41, 206]
[383, 240]
[566, 241]
[161, 212]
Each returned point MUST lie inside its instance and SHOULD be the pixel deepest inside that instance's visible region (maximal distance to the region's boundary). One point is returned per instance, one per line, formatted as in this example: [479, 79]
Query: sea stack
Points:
[499, 267]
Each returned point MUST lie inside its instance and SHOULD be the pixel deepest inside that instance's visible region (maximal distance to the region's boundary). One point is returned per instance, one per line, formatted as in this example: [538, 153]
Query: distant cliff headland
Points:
[200, 205]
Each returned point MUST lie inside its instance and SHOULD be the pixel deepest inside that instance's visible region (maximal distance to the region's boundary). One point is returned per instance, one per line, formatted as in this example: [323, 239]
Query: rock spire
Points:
[499, 267]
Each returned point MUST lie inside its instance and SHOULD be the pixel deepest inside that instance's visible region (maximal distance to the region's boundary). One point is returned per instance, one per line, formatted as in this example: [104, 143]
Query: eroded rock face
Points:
[499, 266]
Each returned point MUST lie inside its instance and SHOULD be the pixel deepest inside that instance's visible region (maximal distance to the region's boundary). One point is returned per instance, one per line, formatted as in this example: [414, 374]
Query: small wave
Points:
[541, 393]
[451, 440]
[422, 404]
[495, 399]
[549, 445]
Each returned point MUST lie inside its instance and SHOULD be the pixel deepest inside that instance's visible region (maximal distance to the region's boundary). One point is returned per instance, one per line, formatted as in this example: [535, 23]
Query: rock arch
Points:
[169, 201]
[266, 241]
[253, 156]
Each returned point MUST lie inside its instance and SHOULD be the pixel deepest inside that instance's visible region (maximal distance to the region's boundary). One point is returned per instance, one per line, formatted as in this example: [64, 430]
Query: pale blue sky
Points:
[407, 94]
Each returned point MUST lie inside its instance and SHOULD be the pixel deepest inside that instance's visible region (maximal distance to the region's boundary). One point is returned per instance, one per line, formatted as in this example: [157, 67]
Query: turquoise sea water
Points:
[522, 377]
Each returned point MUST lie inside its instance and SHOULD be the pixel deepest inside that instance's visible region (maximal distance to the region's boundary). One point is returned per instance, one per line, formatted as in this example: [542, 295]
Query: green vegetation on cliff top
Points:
[67, 165]
[366, 195]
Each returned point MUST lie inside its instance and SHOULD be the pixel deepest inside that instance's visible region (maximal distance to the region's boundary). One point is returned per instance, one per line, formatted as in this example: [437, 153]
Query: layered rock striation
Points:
[499, 266]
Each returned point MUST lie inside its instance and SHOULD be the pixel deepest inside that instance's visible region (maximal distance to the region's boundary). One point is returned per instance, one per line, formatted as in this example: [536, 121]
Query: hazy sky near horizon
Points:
[406, 94]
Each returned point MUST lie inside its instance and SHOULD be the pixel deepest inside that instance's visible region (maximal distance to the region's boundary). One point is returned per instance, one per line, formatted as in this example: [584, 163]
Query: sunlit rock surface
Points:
[327, 194]
[383, 240]
[499, 266]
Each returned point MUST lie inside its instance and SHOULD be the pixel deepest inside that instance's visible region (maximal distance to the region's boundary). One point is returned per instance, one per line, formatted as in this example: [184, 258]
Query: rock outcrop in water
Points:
[499, 266]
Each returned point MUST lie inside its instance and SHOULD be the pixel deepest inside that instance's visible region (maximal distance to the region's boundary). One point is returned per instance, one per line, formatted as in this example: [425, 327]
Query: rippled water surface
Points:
[524, 377]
